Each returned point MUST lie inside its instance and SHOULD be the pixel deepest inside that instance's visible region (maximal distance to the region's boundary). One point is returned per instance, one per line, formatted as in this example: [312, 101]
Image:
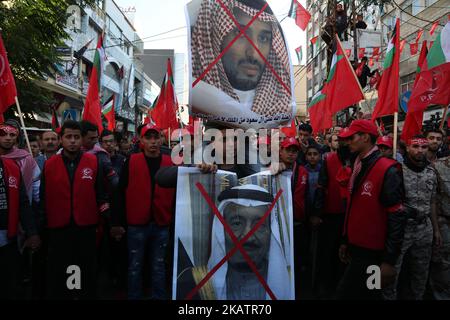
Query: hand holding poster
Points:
[240, 65]
[216, 214]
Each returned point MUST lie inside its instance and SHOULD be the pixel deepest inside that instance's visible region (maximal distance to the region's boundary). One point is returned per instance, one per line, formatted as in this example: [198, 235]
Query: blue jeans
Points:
[156, 238]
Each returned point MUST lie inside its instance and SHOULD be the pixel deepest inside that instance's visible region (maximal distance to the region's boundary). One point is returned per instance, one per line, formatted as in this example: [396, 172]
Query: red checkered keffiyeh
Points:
[213, 24]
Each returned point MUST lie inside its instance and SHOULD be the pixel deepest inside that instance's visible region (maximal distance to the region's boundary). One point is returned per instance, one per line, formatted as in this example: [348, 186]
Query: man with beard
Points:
[420, 183]
[240, 83]
[374, 224]
[50, 145]
[435, 139]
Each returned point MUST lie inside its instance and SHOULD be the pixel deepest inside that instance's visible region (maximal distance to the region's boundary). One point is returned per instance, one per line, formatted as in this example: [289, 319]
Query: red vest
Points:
[12, 183]
[299, 196]
[139, 205]
[334, 202]
[63, 200]
[366, 221]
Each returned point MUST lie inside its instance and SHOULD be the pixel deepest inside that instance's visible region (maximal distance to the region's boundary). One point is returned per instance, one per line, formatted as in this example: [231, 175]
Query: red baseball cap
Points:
[385, 141]
[149, 127]
[359, 126]
[288, 142]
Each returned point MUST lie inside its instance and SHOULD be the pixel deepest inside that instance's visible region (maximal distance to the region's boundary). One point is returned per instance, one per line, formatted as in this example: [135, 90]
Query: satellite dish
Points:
[74, 20]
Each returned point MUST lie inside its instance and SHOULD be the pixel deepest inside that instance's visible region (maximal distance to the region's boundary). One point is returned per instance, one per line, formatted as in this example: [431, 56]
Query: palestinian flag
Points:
[319, 116]
[343, 88]
[299, 14]
[164, 111]
[109, 113]
[414, 119]
[388, 90]
[92, 106]
[433, 85]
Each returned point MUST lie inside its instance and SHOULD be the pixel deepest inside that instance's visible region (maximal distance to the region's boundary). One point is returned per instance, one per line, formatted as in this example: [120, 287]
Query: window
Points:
[407, 82]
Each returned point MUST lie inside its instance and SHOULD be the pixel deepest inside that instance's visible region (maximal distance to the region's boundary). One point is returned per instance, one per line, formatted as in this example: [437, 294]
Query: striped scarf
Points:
[358, 166]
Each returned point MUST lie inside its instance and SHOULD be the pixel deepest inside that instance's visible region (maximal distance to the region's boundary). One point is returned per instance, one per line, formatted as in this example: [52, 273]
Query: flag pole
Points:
[23, 125]
[168, 140]
[395, 133]
[443, 118]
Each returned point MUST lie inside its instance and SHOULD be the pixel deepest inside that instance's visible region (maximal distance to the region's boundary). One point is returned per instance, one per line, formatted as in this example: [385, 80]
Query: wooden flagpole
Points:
[395, 134]
[23, 126]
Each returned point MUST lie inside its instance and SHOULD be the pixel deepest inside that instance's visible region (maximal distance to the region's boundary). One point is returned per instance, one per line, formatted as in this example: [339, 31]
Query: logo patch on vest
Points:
[12, 181]
[87, 173]
[367, 189]
[303, 179]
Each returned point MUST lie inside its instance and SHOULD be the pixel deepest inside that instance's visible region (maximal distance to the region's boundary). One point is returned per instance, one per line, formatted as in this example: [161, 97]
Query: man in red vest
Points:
[72, 198]
[14, 208]
[327, 217]
[375, 218]
[147, 209]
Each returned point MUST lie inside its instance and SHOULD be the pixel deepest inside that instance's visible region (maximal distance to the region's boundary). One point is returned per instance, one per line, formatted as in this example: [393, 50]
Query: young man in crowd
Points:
[34, 145]
[14, 210]
[375, 220]
[435, 138]
[147, 210]
[72, 199]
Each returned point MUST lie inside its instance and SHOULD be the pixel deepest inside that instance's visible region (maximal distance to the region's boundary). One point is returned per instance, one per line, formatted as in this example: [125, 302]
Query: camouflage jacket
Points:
[420, 189]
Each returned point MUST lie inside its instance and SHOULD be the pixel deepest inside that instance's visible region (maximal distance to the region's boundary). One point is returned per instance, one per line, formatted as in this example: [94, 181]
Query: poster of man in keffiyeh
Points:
[233, 237]
[240, 68]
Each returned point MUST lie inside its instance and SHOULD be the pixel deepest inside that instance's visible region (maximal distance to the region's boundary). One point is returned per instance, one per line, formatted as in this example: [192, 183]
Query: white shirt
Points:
[246, 98]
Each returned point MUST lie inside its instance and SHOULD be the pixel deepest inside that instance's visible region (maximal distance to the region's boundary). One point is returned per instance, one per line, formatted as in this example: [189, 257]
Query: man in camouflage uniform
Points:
[440, 260]
[420, 181]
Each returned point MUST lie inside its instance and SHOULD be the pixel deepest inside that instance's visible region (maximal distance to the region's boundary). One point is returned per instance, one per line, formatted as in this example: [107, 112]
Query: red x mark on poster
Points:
[241, 33]
[238, 245]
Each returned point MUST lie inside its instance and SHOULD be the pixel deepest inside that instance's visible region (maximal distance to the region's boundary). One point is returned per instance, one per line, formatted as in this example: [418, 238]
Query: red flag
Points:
[402, 45]
[8, 92]
[300, 14]
[414, 48]
[92, 107]
[342, 86]
[290, 131]
[166, 105]
[419, 35]
[388, 91]
[314, 40]
[434, 81]
[433, 27]
[361, 52]
[319, 115]
[413, 121]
